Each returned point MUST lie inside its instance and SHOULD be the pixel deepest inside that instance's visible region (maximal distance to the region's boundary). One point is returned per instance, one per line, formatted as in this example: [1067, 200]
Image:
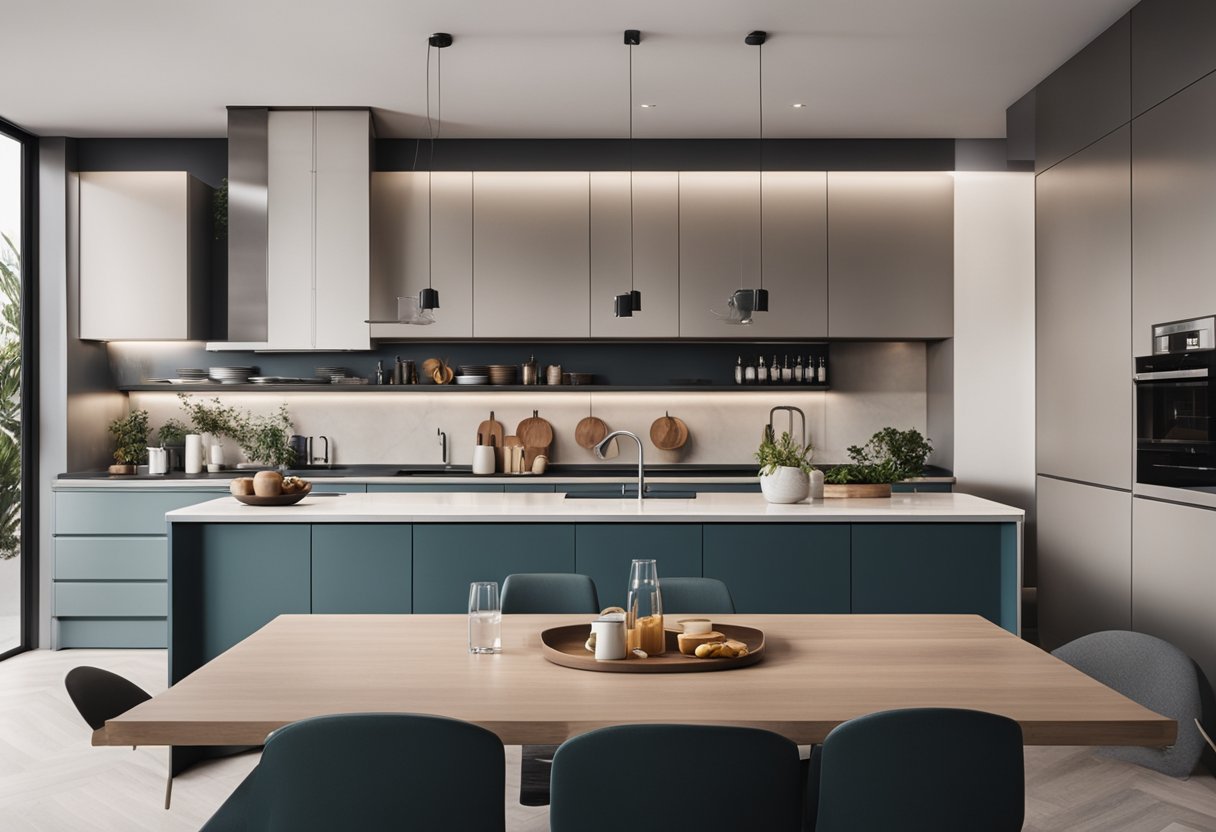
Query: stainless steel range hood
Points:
[248, 237]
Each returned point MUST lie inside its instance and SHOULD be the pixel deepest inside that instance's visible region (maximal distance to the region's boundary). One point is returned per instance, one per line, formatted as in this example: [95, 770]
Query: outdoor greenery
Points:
[219, 205]
[130, 437]
[783, 453]
[890, 455]
[263, 439]
[10, 399]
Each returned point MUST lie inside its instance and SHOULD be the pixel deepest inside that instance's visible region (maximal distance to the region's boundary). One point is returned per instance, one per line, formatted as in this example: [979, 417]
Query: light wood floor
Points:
[52, 780]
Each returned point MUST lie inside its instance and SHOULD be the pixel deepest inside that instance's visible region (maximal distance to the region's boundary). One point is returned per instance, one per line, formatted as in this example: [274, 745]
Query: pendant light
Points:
[757, 39]
[428, 298]
[624, 305]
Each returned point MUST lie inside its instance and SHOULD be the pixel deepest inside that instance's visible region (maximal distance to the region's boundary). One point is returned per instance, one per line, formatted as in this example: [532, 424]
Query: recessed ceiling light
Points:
[648, 106]
[798, 106]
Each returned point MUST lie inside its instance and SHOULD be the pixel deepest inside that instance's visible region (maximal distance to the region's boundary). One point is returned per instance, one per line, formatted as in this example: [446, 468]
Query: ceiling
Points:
[541, 68]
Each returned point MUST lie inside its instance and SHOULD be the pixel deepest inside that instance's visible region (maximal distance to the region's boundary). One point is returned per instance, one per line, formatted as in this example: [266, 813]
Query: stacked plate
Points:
[502, 374]
[189, 375]
[331, 373]
[232, 375]
[474, 369]
[467, 379]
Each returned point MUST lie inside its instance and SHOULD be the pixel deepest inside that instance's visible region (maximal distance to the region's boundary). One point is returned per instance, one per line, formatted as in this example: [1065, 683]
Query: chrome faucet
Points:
[599, 452]
[443, 445]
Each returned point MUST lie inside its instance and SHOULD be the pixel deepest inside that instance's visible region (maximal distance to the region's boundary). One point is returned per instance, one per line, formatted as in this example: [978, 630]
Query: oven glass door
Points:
[1174, 431]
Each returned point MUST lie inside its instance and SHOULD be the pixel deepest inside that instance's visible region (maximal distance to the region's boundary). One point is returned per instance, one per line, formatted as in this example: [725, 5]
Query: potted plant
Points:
[890, 455]
[172, 435]
[131, 440]
[785, 468]
[266, 440]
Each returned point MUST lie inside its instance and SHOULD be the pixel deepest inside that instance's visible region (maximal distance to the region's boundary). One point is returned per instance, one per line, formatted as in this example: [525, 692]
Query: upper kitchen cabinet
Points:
[145, 244]
[655, 253]
[719, 232]
[1173, 200]
[1086, 98]
[890, 255]
[1083, 305]
[1173, 44]
[406, 250]
[531, 255]
[318, 247]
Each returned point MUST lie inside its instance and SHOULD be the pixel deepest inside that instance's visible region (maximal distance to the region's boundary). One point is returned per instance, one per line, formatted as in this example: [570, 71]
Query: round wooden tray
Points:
[281, 500]
[566, 646]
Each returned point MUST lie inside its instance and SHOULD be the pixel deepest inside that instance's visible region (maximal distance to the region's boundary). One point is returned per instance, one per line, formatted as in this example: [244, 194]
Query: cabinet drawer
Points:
[97, 512]
[111, 559]
[113, 632]
[114, 599]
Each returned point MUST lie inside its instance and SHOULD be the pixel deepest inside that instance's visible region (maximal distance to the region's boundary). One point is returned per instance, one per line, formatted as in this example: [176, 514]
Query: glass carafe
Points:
[644, 610]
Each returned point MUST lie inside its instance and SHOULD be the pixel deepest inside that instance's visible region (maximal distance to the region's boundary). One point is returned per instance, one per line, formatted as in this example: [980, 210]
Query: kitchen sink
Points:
[631, 495]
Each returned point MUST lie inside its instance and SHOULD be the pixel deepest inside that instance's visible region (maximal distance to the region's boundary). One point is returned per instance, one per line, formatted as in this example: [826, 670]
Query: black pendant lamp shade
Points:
[623, 306]
[428, 298]
[759, 302]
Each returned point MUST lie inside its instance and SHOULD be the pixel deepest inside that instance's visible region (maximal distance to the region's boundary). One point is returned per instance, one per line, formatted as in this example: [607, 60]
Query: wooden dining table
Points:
[817, 672]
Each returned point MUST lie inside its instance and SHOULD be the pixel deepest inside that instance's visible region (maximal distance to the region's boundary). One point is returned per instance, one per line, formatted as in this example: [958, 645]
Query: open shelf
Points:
[468, 388]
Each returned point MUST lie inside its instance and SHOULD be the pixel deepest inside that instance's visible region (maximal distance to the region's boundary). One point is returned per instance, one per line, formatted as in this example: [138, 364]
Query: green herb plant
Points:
[890, 455]
[172, 432]
[131, 437]
[783, 453]
[263, 439]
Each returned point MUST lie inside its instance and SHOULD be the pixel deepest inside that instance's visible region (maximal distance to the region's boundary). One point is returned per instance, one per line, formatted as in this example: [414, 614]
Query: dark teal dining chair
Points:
[646, 778]
[371, 772]
[695, 595]
[919, 770]
[549, 592]
[545, 592]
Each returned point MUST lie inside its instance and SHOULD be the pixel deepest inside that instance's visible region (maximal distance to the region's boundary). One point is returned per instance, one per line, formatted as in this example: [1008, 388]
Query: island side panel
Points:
[605, 551]
[362, 568]
[780, 568]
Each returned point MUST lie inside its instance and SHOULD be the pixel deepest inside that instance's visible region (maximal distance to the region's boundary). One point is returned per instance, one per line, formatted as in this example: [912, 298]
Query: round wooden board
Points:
[668, 433]
[589, 431]
[535, 431]
[566, 646]
[281, 500]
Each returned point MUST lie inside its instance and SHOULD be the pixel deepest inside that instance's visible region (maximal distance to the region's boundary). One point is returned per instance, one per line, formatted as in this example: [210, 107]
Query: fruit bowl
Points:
[279, 500]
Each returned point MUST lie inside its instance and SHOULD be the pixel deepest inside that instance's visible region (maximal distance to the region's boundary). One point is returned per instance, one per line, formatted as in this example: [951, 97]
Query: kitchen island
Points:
[233, 568]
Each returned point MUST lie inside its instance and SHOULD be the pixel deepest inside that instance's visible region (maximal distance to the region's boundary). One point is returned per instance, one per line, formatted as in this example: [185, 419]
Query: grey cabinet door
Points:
[362, 568]
[531, 255]
[605, 551]
[720, 252]
[1173, 572]
[1173, 202]
[1086, 98]
[890, 255]
[401, 251]
[1083, 305]
[1173, 44]
[1084, 560]
[780, 567]
[655, 253]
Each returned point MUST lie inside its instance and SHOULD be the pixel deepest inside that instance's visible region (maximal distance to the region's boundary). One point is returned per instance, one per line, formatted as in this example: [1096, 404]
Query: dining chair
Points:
[695, 595]
[549, 592]
[919, 770]
[545, 592]
[662, 777]
[1153, 673]
[371, 772]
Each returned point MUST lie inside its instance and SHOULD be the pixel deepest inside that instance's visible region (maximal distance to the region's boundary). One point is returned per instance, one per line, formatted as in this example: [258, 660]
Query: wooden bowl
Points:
[280, 500]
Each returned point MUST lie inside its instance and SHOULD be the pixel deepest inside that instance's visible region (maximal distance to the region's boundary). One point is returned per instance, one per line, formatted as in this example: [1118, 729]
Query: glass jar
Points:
[644, 609]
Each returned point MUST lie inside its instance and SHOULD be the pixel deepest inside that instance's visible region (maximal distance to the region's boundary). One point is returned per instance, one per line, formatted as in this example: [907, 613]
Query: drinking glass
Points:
[644, 609]
[485, 618]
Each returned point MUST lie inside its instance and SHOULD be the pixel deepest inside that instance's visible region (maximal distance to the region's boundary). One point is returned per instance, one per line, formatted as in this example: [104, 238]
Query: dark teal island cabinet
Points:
[233, 568]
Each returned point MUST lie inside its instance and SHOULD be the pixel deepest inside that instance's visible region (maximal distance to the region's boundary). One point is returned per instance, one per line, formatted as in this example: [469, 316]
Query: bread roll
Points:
[268, 483]
[689, 642]
[241, 486]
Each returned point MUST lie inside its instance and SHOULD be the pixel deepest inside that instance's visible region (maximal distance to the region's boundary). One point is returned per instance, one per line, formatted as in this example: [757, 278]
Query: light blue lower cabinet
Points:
[605, 551]
[111, 559]
[936, 568]
[111, 599]
[440, 488]
[112, 632]
[229, 580]
[362, 568]
[448, 557]
[780, 568]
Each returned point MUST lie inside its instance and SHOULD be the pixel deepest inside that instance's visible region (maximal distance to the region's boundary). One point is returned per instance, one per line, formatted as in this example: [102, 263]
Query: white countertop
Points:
[555, 508]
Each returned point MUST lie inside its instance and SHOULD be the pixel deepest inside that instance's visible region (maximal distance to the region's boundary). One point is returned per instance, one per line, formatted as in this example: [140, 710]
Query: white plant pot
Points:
[785, 485]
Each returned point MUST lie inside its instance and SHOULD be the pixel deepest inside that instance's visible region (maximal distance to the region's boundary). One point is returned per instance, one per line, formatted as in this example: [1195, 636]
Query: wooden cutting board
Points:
[490, 433]
[668, 433]
[535, 432]
[590, 431]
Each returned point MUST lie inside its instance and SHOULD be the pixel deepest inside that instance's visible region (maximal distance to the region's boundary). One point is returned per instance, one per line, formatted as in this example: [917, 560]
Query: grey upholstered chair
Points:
[371, 772]
[549, 592]
[1157, 675]
[919, 770]
[623, 777]
[695, 595]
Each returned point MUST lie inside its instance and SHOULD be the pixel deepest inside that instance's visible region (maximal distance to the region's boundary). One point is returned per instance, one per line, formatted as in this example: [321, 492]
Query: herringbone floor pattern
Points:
[52, 780]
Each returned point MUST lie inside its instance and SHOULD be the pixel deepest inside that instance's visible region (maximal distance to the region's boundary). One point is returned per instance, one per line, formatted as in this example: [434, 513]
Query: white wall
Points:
[994, 348]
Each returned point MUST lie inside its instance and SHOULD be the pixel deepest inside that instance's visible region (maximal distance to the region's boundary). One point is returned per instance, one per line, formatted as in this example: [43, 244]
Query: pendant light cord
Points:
[432, 133]
[760, 76]
[632, 284]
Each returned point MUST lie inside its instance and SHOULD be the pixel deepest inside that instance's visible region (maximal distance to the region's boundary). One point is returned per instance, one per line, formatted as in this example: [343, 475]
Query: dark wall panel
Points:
[1173, 44]
[205, 159]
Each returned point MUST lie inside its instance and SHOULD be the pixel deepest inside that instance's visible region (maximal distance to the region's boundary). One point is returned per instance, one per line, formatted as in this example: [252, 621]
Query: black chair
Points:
[371, 772]
[695, 595]
[919, 770]
[545, 592]
[100, 695]
[623, 778]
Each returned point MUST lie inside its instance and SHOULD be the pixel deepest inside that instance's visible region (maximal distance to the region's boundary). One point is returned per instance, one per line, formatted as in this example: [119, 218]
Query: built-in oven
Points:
[1176, 406]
